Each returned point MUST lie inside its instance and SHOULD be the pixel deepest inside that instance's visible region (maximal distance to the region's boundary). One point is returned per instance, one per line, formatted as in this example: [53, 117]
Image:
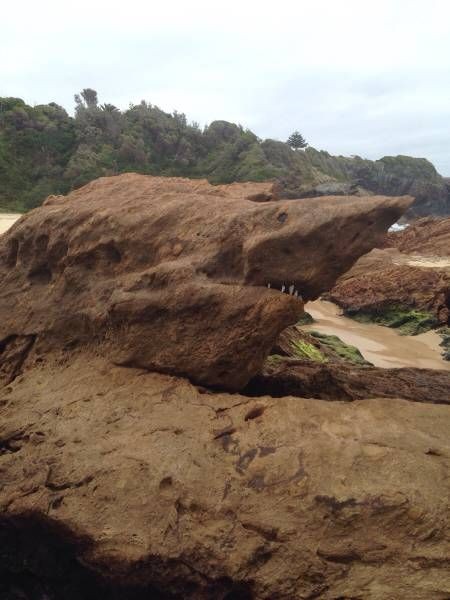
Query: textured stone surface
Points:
[388, 278]
[344, 381]
[170, 274]
[122, 484]
[428, 236]
[411, 271]
[147, 481]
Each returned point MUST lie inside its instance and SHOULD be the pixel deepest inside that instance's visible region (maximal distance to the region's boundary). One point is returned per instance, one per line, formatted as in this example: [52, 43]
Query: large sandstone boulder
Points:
[118, 483]
[125, 484]
[171, 274]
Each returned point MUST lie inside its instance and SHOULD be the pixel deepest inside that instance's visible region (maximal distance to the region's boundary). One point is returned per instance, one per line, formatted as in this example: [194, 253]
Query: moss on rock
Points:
[408, 321]
[340, 349]
[307, 351]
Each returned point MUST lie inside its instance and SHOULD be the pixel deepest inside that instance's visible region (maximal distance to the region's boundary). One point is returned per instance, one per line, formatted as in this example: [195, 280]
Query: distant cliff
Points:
[45, 151]
[391, 175]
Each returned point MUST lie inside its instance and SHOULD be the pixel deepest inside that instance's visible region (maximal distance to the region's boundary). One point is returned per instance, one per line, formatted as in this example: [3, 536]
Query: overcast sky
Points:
[355, 77]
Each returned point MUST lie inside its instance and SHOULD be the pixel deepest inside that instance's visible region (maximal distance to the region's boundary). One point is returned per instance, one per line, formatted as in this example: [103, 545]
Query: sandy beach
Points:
[382, 346]
[6, 220]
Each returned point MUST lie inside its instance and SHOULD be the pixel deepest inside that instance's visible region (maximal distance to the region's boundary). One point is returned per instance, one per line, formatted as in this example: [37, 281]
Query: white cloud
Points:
[357, 77]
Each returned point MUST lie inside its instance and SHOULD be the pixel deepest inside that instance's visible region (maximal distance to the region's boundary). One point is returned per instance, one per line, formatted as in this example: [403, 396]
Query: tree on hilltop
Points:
[296, 141]
[90, 97]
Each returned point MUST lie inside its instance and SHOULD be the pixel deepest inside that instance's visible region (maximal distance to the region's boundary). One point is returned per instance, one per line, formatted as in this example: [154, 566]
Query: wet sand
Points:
[6, 220]
[437, 262]
[382, 346]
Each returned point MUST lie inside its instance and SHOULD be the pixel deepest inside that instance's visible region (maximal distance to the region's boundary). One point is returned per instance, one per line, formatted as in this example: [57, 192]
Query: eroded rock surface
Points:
[171, 274]
[341, 381]
[411, 272]
[385, 279]
[429, 236]
[121, 483]
[117, 479]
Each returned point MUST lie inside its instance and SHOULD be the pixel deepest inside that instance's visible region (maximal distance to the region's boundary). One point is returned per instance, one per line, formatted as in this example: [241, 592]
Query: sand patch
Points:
[426, 262]
[382, 346]
[6, 220]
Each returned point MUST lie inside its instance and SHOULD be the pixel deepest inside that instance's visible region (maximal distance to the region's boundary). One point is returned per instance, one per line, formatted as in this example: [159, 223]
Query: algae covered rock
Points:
[339, 349]
[407, 320]
[314, 346]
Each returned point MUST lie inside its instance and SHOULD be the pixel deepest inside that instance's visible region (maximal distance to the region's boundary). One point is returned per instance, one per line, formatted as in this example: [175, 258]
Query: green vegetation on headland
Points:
[45, 151]
[408, 321]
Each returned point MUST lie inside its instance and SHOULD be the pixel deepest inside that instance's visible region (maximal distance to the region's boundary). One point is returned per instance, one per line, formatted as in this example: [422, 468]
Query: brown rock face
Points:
[117, 483]
[122, 484]
[346, 382]
[171, 274]
[411, 271]
[428, 236]
[386, 277]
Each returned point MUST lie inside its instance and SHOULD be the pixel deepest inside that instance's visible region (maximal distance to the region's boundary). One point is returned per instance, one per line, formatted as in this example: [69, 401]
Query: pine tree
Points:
[296, 141]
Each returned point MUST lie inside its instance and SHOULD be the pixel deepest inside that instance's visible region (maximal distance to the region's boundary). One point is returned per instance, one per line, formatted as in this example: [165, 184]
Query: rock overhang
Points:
[171, 274]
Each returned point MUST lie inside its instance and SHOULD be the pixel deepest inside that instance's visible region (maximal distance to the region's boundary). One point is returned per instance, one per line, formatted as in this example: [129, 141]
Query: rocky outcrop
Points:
[424, 237]
[171, 275]
[332, 188]
[119, 483]
[386, 285]
[332, 380]
[306, 173]
[412, 273]
[391, 175]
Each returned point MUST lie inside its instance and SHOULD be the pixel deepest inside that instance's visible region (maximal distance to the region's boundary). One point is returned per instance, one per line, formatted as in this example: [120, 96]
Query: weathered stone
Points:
[344, 381]
[139, 484]
[170, 274]
[429, 236]
[120, 483]
[411, 272]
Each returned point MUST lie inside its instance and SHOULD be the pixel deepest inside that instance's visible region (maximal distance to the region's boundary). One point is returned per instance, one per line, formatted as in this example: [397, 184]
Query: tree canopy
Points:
[296, 141]
[44, 151]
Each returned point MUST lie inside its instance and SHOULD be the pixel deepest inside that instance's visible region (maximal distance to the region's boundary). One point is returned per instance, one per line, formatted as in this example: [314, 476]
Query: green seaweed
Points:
[408, 321]
[345, 352]
[275, 358]
[308, 351]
